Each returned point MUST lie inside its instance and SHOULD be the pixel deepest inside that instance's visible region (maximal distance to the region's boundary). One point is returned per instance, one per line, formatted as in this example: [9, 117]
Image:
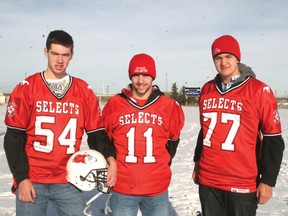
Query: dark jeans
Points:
[215, 202]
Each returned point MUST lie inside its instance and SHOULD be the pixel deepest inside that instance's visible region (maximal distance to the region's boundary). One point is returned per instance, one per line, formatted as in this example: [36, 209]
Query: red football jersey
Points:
[54, 125]
[231, 122]
[140, 135]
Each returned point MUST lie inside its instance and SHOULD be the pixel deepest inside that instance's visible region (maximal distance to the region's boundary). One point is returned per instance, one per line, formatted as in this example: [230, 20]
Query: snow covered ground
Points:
[182, 191]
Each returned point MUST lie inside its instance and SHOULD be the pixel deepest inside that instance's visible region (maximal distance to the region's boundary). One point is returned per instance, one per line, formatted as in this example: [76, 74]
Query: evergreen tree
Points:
[174, 92]
[182, 97]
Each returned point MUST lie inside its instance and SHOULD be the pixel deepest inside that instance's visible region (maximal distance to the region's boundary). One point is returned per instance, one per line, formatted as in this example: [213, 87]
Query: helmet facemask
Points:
[97, 176]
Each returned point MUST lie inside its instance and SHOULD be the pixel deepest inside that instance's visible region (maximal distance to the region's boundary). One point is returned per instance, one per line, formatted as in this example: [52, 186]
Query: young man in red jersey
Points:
[46, 117]
[239, 148]
[145, 127]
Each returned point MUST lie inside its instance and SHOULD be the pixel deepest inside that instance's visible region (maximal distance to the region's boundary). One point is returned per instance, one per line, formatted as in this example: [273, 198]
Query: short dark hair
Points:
[60, 37]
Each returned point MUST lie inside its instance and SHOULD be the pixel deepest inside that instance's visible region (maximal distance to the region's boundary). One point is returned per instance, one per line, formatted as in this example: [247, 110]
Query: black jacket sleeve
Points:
[172, 148]
[14, 146]
[271, 158]
[199, 146]
[99, 141]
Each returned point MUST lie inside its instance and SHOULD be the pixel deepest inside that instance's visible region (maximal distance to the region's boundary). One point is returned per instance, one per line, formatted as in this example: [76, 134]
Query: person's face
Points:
[141, 86]
[227, 66]
[58, 59]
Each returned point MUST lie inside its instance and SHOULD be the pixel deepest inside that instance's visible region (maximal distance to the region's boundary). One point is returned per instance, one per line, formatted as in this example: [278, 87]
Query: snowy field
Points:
[183, 192]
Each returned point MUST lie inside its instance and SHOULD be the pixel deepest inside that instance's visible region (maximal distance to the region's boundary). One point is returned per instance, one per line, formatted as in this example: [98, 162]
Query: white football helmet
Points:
[87, 169]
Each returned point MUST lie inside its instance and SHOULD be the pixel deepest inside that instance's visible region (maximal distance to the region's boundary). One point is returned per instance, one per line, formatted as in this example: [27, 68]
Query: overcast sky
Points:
[177, 33]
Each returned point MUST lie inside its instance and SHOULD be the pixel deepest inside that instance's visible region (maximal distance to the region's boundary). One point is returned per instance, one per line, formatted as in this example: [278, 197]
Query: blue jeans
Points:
[127, 205]
[66, 199]
[226, 203]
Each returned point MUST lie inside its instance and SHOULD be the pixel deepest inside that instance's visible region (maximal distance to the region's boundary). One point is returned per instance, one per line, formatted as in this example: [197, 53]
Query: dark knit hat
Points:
[226, 44]
[142, 64]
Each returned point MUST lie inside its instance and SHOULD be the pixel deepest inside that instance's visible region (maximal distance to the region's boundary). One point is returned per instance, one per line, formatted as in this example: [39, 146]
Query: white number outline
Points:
[228, 144]
[130, 157]
[69, 131]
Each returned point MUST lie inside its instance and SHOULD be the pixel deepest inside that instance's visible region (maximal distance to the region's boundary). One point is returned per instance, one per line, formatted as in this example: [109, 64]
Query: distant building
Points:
[2, 98]
[282, 102]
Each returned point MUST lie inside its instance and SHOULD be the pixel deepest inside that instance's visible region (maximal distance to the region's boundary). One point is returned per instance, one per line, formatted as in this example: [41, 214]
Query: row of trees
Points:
[179, 96]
